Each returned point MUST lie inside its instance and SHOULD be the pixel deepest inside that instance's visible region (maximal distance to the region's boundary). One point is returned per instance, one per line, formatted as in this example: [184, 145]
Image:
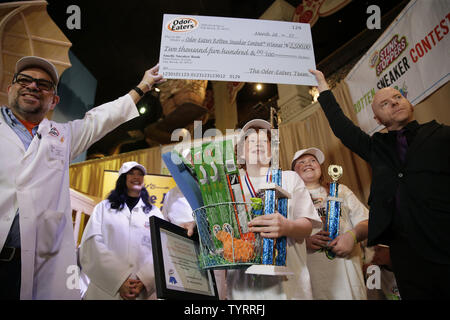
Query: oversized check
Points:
[232, 49]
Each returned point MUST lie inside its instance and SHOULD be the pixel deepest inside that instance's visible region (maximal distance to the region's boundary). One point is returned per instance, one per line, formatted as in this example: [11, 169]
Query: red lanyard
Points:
[249, 184]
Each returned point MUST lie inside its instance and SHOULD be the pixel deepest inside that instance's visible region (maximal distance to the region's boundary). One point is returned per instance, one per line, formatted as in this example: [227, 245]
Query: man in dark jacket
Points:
[410, 191]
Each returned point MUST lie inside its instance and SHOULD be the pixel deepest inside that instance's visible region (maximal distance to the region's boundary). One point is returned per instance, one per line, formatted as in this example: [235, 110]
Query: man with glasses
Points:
[37, 254]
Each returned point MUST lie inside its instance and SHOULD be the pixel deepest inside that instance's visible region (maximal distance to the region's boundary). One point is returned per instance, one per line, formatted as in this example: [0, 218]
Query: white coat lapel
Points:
[37, 138]
[141, 205]
[8, 133]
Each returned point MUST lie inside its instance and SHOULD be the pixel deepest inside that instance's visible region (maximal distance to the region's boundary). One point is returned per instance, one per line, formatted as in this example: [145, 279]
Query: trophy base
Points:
[269, 270]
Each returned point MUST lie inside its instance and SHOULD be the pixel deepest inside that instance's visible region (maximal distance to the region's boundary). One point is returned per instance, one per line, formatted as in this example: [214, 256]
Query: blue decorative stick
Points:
[269, 208]
[333, 207]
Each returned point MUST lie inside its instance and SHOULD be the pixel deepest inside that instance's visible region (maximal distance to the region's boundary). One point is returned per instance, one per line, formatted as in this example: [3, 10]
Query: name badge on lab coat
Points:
[57, 152]
[146, 241]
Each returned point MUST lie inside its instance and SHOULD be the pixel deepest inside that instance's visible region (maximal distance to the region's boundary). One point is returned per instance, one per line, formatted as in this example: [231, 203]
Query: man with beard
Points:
[36, 235]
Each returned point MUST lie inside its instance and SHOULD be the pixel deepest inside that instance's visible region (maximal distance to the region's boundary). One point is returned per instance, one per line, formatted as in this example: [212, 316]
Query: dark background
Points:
[118, 41]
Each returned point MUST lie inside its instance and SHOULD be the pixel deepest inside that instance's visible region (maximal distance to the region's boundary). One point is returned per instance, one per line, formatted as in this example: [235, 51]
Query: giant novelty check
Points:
[231, 49]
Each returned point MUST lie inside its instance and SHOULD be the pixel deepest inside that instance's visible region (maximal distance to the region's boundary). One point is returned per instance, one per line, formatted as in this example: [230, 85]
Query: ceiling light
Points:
[157, 90]
[314, 92]
[142, 110]
[259, 87]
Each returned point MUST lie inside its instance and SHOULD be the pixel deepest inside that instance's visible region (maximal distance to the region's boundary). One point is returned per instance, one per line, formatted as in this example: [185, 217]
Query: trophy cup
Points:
[273, 260]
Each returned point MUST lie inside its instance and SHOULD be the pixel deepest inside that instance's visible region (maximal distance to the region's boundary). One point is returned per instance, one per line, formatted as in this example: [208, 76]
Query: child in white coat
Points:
[301, 218]
[342, 277]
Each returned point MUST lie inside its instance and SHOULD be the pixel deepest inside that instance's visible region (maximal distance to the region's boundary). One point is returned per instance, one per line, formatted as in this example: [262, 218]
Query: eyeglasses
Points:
[25, 80]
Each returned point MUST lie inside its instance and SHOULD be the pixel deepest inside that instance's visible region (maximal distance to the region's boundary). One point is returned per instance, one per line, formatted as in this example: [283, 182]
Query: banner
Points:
[157, 186]
[412, 55]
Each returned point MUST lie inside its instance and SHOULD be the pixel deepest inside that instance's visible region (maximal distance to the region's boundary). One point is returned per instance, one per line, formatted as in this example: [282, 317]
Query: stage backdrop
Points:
[157, 186]
[412, 55]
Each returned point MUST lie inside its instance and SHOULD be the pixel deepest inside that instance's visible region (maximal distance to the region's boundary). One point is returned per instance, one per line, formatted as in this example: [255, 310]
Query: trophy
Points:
[274, 250]
[333, 206]
[273, 256]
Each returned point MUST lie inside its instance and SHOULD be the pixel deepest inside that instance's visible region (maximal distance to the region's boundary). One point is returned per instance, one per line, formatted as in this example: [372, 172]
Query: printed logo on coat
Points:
[146, 241]
[53, 132]
[147, 224]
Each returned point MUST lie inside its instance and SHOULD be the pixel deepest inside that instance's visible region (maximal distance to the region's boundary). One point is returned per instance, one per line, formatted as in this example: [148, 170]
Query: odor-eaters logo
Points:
[182, 24]
[381, 60]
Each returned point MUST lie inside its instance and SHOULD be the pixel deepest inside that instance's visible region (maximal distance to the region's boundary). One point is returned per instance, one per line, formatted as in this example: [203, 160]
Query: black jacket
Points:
[422, 183]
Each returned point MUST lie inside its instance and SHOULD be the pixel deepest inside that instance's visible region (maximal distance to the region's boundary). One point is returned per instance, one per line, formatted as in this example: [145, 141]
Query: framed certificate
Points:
[177, 271]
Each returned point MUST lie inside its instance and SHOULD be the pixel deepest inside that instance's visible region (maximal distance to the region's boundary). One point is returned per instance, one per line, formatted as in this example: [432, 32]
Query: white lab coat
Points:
[176, 208]
[37, 182]
[116, 245]
[242, 286]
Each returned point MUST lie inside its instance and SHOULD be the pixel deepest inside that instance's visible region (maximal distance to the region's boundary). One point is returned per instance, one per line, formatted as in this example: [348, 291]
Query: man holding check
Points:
[36, 234]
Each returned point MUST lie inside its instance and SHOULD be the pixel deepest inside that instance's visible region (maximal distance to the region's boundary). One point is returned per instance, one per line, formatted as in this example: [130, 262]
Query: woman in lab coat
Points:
[116, 250]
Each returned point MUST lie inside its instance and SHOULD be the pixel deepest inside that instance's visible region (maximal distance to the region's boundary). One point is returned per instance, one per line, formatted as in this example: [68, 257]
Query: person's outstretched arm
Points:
[150, 78]
[351, 135]
[102, 119]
